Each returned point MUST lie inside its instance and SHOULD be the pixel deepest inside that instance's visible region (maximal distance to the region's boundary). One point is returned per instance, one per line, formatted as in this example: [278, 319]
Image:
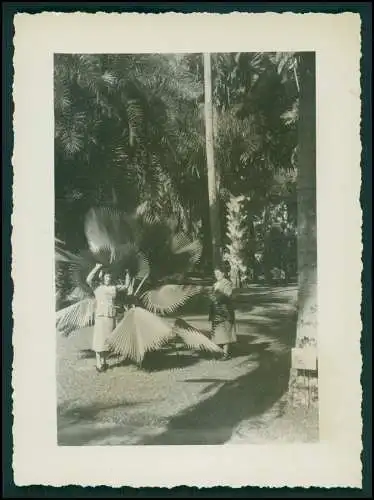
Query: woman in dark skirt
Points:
[221, 313]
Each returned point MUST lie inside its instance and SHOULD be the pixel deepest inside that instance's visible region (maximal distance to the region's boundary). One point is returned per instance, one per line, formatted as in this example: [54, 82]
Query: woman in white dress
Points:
[105, 313]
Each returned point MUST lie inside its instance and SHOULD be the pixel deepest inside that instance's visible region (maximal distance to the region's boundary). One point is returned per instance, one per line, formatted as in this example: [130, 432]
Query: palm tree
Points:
[116, 135]
[154, 257]
[297, 72]
[213, 176]
[130, 131]
[306, 201]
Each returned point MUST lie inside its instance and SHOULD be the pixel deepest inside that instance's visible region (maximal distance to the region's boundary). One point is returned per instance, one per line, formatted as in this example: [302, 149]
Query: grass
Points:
[190, 397]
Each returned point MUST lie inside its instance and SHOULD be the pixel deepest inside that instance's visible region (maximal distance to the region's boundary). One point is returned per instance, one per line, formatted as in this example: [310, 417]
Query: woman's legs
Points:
[226, 351]
[100, 360]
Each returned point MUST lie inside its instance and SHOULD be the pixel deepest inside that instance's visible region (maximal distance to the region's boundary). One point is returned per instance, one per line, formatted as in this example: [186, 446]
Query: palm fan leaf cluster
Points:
[168, 298]
[193, 338]
[147, 255]
[139, 332]
[79, 314]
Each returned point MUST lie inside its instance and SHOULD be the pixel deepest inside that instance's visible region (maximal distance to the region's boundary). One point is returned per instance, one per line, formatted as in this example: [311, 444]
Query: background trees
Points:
[130, 132]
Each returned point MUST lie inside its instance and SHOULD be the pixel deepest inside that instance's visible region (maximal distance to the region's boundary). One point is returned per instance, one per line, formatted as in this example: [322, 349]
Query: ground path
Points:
[190, 398]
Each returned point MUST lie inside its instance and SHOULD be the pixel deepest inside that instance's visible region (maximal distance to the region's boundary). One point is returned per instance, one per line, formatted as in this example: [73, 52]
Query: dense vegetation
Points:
[129, 132]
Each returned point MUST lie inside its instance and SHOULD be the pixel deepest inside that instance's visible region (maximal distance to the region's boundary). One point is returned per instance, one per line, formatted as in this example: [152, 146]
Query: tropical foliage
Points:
[130, 133]
[123, 244]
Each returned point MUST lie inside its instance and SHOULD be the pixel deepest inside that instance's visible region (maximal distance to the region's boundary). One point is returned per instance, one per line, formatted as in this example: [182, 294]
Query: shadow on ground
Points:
[245, 300]
[83, 425]
[215, 418]
[164, 360]
[248, 396]
[88, 413]
[212, 420]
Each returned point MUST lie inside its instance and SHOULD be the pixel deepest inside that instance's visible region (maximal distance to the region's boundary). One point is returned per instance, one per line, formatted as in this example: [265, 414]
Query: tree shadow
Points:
[89, 413]
[83, 436]
[245, 346]
[77, 426]
[280, 326]
[250, 395]
[158, 361]
[115, 361]
[247, 304]
[169, 357]
[86, 354]
[213, 420]
[244, 299]
[228, 402]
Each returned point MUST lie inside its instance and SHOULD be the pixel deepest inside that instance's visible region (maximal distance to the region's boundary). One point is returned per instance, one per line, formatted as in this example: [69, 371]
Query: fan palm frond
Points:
[168, 298]
[78, 294]
[137, 333]
[71, 273]
[62, 255]
[77, 270]
[75, 316]
[128, 257]
[107, 228]
[182, 244]
[170, 253]
[193, 338]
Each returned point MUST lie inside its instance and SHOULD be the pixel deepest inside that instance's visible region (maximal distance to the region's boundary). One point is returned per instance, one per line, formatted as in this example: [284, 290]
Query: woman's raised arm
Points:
[92, 274]
[129, 288]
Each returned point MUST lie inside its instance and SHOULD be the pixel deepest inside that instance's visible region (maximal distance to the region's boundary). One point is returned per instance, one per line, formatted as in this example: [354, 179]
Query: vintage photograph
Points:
[185, 248]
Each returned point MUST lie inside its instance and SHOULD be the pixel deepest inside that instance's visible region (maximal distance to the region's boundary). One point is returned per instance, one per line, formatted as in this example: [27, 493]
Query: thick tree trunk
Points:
[213, 177]
[304, 359]
[306, 192]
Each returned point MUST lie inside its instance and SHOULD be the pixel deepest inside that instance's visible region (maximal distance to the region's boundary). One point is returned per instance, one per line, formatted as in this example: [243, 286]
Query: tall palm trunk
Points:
[213, 178]
[306, 200]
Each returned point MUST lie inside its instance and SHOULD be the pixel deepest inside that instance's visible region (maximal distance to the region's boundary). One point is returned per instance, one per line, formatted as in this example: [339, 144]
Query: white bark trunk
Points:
[303, 389]
[213, 178]
[306, 185]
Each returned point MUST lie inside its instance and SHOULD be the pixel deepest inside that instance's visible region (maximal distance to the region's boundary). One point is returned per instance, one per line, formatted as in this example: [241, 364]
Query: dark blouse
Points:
[221, 308]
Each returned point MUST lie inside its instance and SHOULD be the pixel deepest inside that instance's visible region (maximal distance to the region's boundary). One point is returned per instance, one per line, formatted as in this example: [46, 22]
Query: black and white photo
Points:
[186, 250]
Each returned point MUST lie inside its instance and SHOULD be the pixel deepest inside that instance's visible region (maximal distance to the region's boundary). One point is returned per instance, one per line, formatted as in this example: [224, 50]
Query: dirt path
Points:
[189, 398]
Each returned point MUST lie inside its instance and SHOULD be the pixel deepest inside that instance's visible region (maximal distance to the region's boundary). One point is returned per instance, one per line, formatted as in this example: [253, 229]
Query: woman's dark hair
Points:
[222, 268]
[104, 271]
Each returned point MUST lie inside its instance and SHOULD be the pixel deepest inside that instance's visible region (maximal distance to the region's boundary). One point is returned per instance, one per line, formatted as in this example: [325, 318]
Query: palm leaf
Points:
[78, 293]
[168, 298]
[129, 257]
[138, 332]
[62, 255]
[119, 260]
[78, 270]
[107, 228]
[183, 244]
[97, 228]
[76, 316]
[71, 274]
[169, 254]
[193, 338]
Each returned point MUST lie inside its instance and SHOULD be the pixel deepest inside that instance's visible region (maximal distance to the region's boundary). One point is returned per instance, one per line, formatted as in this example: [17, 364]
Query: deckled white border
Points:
[335, 461]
